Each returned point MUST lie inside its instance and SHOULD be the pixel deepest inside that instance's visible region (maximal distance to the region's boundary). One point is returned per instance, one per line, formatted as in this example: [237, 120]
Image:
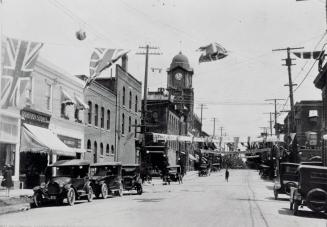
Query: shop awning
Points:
[37, 139]
[192, 157]
[66, 98]
[81, 104]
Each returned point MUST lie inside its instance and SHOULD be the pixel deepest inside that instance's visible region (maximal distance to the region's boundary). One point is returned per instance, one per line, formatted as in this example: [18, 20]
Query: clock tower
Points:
[179, 85]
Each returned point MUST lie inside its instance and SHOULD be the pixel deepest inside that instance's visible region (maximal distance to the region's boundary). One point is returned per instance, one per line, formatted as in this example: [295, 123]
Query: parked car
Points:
[131, 178]
[215, 167]
[175, 173]
[106, 179]
[203, 170]
[311, 190]
[67, 179]
[287, 178]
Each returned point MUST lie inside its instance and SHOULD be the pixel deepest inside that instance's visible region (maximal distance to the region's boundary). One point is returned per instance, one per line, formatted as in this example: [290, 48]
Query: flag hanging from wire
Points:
[19, 58]
[212, 52]
[101, 59]
[309, 54]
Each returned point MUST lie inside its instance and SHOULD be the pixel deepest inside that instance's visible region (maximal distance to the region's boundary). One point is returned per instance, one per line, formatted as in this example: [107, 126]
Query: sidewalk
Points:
[18, 200]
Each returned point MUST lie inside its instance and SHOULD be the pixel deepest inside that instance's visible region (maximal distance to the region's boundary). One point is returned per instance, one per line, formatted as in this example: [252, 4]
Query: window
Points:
[123, 124]
[63, 111]
[76, 115]
[124, 90]
[101, 148]
[96, 110]
[136, 103]
[130, 100]
[108, 119]
[107, 149]
[112, 149]
[89, 114]
[135, 129]
[102, 117]
[48, 97]
[129, 124]
[88, 146]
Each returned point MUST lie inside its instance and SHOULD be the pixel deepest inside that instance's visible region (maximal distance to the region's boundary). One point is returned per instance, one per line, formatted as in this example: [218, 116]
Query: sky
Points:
[233, 89]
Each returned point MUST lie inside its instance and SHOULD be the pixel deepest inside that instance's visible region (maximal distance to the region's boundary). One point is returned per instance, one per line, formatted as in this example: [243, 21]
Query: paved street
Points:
[206, 201]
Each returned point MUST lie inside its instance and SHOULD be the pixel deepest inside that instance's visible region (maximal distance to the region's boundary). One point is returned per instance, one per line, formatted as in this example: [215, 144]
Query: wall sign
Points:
[70, 141]
[34, 117]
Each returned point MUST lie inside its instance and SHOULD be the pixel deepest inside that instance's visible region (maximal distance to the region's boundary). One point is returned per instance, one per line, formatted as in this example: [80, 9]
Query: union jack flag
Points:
[19, 59]
[101, 59]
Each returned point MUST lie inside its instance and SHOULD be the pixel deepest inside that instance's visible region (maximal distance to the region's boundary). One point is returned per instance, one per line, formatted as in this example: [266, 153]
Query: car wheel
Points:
[275, 194]
[71, 197]
[37, 199]
[139, 190]
[104, 191]
[89, 194]
[317, 199]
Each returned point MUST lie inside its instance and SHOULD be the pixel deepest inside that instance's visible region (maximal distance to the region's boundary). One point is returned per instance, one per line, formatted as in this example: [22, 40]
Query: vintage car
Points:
[311, 190]
[287, 178]
[203, 170]
[215, 167]
[66, 179]
[175, 173]
[106, 179]
[131, 178]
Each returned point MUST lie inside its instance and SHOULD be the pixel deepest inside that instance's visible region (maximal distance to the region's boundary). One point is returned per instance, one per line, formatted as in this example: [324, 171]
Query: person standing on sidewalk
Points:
[7, 179]
[226, 174]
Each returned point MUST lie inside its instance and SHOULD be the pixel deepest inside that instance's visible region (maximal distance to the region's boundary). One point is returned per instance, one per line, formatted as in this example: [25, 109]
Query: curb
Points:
[14, 208]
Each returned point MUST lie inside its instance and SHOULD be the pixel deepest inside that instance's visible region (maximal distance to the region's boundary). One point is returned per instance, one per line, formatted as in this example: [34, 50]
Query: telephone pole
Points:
[214, 127]
[288, 63]
[270, 122]
[221, 131]
[275, 125]
[202, 106]
[144, 107]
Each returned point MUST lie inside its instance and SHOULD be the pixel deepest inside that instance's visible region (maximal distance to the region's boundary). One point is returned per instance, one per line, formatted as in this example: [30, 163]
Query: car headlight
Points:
[42, 185]
[61, 185]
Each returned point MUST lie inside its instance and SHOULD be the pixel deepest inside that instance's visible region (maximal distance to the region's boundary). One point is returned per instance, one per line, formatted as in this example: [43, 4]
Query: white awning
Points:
[66, 98]
[45, 139]
[81, 104]
[192, 157]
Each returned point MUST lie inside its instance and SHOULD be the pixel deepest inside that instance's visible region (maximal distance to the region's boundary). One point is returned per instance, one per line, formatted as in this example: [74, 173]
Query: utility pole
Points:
[221, 131]
[202, 106]
[275, 125]
[270, 122]
[288, 63]
[214, 127]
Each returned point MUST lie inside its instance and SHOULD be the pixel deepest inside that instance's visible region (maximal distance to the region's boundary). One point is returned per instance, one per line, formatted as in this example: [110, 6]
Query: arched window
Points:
[89, 114]
[123, 124]
[96, 110]
[129, 124]
[102, 117]
[88, 146]
[124, 90]
[95, 148]
[108, 119]
[107, 149]
[130, 100]
[112, 149]
[101, 148]
[136, 103]
[135, 129]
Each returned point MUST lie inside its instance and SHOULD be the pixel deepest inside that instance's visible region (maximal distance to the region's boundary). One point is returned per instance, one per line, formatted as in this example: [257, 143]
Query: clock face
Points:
[178, 76]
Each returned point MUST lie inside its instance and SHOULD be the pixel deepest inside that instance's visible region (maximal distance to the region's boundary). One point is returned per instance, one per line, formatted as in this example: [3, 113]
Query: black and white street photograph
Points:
[162, 113]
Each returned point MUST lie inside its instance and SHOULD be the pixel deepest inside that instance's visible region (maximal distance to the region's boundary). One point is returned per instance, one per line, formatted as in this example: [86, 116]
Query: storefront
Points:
[39, 147]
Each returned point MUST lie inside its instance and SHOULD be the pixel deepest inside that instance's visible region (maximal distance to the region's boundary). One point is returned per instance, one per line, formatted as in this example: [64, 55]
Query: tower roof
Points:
[180, 60]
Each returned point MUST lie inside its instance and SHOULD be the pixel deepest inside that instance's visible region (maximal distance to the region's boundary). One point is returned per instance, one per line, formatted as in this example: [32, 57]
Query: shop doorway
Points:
[7, 156]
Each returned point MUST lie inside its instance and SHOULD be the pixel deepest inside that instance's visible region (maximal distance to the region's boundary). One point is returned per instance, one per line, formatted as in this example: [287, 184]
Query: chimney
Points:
[124, 62]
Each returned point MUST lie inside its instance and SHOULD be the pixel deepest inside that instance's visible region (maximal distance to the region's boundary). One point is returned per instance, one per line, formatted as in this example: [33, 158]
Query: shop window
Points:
[123, 124]
[129, 124]
[107, 149]
[124, 90]
[89, 114]
[101, 148]
[108, 119]
[96, 110]
[63, 111]
[102, 117]
[88, 146]
[130, 100]
[136, 103]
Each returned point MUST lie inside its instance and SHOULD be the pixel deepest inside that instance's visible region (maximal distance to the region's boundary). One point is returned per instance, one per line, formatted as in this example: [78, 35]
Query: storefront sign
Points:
[70, 141]
[34, 117]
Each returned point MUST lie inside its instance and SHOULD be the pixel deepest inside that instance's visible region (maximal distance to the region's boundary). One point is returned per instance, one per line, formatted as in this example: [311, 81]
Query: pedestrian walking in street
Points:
[226, 174]
[7, 179]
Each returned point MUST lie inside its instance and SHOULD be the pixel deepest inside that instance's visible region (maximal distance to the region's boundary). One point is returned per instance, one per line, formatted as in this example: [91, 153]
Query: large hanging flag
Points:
[19, 59]
[212, 52]
[101, 59]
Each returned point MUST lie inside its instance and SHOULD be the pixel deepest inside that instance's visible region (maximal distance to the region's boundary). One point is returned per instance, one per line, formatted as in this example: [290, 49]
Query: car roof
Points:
[130, 165]
[312, 167]
[106, 164]
[290, 163]
[172, 166]
[72, 162]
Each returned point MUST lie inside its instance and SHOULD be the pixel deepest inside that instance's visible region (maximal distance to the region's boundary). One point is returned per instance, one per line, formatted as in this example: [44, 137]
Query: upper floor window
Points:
[88, 146]
[96, 110]
[107, 149]
[123, 124]
[135, 129]
[63, 111]
[112, 149]
[95, 147]
[108, 119]
[102, 117]
[89, 114]
[101, 148]
[48, 97]
[130, 100]
[136, 103]
[76, 115]
[129, 124]
[124, 91]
